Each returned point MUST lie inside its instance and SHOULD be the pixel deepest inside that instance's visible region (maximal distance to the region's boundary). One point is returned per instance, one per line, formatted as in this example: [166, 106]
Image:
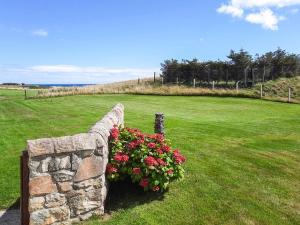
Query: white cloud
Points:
[231, 10]
[258, 11]
[265, 17]
[40, 33]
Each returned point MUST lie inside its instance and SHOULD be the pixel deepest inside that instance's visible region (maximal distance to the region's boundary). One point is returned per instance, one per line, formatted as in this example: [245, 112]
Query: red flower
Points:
[114, 133]
[166, 148]
[159, 151]
[170, 171]
[111, 169]
[132, 145]
[121, 157]
[144, 182]
[161, 162]
[136, 170]
[155, 188]
[179, 159]
[159, 137]
[151, 145]
[150, 161]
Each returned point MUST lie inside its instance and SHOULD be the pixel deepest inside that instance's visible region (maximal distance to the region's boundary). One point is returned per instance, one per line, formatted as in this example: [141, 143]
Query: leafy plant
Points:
[146, 158]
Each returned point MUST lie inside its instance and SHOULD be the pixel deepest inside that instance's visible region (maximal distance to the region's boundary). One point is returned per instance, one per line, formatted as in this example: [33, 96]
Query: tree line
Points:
[240, 67]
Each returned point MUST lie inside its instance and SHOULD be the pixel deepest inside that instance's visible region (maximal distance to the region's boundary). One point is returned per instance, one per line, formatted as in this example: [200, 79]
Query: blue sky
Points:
[96, 41]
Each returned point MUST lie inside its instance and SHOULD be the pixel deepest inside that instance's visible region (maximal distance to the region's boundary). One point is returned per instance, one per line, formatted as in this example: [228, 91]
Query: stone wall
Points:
[67, 174]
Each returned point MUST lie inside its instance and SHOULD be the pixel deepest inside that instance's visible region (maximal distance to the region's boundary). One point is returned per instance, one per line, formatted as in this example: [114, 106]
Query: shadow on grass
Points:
[125, 194]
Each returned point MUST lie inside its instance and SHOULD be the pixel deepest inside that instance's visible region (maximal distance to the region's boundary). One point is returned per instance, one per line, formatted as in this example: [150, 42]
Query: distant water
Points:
[61, 85]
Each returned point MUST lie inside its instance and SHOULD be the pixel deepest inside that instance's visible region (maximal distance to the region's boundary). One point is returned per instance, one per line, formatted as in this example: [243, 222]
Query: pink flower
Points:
[114, 133]
[166, 148]
[161, 162]
[111, 169]
[144, 182]
[179, 159]
[121, 157]
[170, 171]
[150, 161]
[159, 151]
[136, 170]
[151, 145]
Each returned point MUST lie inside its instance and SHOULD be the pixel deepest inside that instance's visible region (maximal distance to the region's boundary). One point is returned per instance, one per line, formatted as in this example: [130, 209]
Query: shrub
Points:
[147, 159]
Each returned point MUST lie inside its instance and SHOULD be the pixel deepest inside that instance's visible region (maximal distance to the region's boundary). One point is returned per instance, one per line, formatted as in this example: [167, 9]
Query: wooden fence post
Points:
[24, 199]
[194, 82]
[162, 81]
[213, 85]
[154, 77]
[159, 123]
[25, 93]
[289, 99]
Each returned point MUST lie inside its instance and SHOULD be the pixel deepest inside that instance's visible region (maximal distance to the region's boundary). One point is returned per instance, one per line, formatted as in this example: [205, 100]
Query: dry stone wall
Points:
[67, 174]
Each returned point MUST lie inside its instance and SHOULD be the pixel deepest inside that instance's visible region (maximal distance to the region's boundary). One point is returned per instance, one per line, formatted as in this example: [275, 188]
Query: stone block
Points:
[44, 164]
[63, 144]
[63, 175]
[65, 163]
[95, 183]
[36, 203]
[54, 200]
[33, 168]
[39, 147]
[65, 186]
[90, 167]
[84, 142]
[41, 185]
[50, 216]
[54, 164]
[76, 160]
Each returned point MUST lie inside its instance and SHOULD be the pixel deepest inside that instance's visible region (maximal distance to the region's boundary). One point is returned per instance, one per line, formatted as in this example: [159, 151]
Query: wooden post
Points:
[159, 123]
[194, 82]
[24, 200]
[162, 81]
[177, 81]
[261, 91]
[25, 93]
[289, 99]
[154, 77]
[213, 85]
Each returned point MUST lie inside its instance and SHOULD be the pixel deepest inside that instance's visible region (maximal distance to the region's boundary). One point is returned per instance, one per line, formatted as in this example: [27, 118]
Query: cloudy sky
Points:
[96, 41]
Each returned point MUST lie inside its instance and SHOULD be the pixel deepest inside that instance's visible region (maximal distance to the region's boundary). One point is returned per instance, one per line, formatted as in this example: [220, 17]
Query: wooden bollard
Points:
[159, 123]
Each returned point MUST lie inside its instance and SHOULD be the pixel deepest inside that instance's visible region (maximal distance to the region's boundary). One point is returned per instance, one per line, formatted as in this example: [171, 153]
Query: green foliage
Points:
[241, 66]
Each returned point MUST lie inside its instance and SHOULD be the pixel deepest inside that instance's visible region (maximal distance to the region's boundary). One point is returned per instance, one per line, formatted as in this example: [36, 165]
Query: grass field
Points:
[243, 155]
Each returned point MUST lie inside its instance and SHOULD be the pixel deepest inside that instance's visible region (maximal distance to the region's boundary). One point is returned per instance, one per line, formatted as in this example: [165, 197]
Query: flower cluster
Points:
[147, 159]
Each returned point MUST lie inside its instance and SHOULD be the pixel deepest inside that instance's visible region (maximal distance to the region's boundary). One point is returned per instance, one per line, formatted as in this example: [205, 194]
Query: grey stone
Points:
[54, 200]
[43, 167]
[63, 175]
[95, 183]
[33, 168]
[65, 163]
[76, 160]
[54, 164]
[86, 153]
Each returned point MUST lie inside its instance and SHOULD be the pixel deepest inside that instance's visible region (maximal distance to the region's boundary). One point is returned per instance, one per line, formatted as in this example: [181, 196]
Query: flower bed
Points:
[147, 159]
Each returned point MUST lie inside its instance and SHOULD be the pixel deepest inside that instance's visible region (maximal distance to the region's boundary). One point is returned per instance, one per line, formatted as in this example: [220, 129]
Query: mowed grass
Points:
[243, 155]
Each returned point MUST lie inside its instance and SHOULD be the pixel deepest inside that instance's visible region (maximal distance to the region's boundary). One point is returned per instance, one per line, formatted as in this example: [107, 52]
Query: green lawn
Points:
[243, 155]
